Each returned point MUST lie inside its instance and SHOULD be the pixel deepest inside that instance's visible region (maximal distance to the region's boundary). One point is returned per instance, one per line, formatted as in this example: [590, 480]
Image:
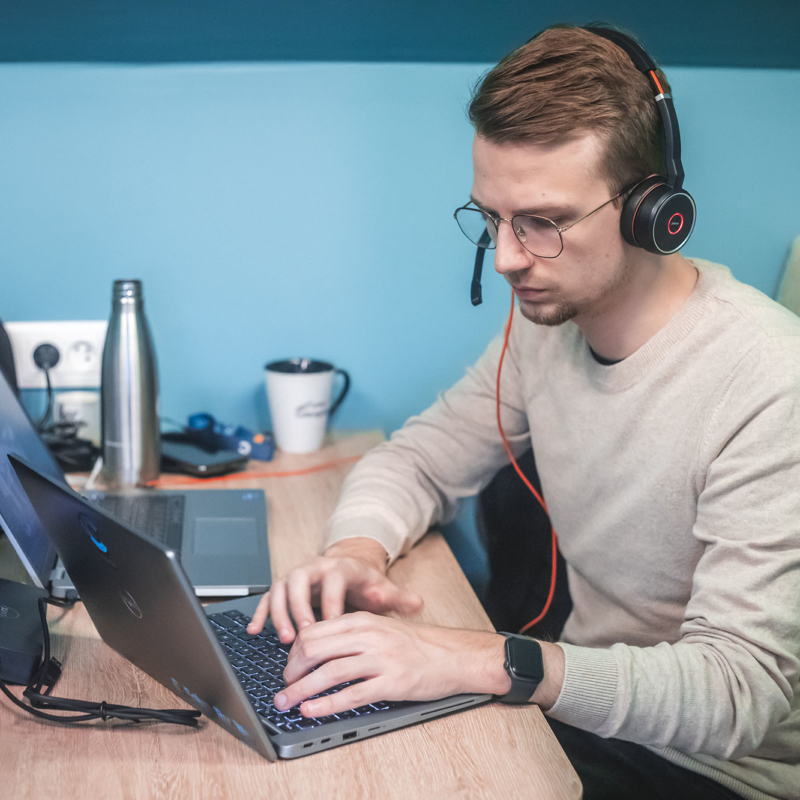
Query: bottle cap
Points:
[127, 288]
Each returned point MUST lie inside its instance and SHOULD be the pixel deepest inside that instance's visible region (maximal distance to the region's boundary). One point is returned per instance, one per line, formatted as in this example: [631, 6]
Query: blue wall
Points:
[284, 209]
[274, 210]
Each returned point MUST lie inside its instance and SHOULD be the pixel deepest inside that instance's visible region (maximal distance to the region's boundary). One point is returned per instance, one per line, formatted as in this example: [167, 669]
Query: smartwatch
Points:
[524, 666]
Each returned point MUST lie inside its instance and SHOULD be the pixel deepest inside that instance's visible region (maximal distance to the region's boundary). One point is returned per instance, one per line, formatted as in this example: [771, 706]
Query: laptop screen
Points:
[17, 517]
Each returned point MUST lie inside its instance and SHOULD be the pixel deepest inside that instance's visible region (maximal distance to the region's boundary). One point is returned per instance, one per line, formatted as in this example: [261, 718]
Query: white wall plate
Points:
[80, 347]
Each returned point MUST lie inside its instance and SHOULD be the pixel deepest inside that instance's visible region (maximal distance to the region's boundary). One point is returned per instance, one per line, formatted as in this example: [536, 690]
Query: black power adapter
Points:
[21, 637]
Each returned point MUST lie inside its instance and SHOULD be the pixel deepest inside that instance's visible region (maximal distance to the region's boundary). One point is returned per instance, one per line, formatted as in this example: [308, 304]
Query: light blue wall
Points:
[289, 209]
[284, 209]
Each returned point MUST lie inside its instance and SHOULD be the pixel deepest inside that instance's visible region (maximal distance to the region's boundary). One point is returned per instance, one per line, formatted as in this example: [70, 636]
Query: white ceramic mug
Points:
[299, 396]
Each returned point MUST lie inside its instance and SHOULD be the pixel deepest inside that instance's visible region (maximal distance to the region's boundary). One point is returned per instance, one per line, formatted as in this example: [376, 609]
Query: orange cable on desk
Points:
[243, 476]
[524, 479]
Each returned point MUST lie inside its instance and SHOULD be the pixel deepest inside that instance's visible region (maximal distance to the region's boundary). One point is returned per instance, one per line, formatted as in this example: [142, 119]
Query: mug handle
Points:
[343, 393]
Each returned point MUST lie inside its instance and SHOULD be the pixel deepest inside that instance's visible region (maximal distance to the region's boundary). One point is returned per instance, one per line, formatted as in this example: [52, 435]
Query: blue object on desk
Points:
[213, 436]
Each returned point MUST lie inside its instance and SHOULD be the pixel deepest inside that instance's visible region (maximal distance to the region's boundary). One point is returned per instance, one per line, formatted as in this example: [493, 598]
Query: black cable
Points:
[43, 421]
[46, 356]
[38, 693]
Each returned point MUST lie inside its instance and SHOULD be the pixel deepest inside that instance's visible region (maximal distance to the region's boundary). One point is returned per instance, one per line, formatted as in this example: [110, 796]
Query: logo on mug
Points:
[312, 409]
[6, 612]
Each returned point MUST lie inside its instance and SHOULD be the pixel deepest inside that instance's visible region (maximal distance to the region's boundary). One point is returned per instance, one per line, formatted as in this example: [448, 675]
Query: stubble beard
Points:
[551, 315]
[561, 311]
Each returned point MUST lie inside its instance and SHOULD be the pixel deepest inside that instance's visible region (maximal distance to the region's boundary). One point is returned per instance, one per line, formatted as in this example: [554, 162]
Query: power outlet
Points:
[80, 347]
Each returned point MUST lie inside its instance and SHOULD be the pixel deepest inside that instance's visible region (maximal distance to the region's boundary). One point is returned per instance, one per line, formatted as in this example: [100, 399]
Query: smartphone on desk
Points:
[190, 459]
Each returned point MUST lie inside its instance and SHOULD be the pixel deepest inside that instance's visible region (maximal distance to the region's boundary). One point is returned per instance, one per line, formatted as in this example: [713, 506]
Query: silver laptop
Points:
[219, 535]
[143, 607]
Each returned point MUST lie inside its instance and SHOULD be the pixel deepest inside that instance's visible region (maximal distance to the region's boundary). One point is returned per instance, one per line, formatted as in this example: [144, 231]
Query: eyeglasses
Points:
[540, 236]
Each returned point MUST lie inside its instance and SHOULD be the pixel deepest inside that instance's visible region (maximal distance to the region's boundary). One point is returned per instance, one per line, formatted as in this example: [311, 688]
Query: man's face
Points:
[561, 182]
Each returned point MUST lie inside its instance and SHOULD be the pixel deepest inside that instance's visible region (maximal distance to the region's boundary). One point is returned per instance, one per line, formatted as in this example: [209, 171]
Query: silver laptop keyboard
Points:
[158, 516]
[259, 660]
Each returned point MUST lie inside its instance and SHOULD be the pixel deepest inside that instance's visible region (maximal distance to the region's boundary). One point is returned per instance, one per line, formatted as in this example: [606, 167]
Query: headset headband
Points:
[669, 119]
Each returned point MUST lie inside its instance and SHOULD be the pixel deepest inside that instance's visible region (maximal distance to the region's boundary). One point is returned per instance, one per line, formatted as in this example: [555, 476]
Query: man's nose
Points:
[510, 255]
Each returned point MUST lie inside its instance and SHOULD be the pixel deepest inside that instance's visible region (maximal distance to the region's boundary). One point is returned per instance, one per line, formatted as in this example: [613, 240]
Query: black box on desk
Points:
[21, 638]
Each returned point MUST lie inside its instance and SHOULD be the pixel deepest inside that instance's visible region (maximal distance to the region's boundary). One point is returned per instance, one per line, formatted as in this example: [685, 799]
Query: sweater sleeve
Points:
[450, 451]
[731, 676]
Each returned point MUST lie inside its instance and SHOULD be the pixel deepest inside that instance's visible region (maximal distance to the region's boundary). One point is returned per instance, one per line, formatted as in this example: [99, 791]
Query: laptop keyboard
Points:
[158, 516]
[259, 660]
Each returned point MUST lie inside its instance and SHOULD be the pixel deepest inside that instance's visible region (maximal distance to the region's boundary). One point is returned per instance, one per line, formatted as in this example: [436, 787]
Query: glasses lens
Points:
[538, 235]
[475, 224]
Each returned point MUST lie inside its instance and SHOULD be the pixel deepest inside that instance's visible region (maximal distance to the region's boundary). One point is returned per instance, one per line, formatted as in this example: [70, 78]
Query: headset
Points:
[659, 214]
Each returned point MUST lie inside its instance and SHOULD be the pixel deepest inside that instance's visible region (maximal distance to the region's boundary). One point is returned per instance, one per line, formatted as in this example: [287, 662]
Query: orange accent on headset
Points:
[524, 479]
[656, 81]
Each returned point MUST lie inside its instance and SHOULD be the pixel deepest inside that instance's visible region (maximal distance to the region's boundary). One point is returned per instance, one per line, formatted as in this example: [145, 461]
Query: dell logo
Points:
[130, 603]
[6, 612]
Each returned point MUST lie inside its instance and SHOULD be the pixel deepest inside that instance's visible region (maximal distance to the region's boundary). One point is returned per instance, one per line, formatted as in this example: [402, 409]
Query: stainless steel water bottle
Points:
[129, 393]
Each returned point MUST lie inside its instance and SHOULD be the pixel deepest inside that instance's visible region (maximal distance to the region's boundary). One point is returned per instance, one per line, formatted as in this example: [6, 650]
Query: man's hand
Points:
[395, 660]
[352, 571]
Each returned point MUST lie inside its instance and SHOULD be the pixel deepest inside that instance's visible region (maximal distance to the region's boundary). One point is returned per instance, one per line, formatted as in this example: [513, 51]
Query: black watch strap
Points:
[524, 665]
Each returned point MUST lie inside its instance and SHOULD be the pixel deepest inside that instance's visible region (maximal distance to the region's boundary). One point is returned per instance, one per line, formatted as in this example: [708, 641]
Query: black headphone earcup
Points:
[657, 218]
[632, 206]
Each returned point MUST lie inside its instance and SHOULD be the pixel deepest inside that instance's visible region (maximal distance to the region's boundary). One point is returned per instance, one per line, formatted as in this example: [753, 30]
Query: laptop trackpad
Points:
[224, 536]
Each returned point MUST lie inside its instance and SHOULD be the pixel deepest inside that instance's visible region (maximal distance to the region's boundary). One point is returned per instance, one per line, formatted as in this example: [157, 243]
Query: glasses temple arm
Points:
[610, 200]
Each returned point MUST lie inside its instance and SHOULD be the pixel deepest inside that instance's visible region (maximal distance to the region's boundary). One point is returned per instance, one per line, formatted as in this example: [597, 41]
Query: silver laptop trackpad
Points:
[222, 536]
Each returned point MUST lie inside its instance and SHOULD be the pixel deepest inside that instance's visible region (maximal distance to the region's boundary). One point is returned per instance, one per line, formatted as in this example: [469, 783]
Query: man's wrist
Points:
[361, 547]
[496, 680]
[549, 689]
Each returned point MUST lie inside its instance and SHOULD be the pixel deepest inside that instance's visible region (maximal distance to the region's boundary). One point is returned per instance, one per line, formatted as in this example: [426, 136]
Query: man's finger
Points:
[334, 588]
[280, 613]
[358, 694]
[322, 642]
[387, 596]
[406, 602]
[300, 599]
[260, 615]
[328, 675]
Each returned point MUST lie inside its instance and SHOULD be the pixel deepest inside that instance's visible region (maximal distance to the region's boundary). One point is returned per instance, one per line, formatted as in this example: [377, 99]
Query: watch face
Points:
[525, 658]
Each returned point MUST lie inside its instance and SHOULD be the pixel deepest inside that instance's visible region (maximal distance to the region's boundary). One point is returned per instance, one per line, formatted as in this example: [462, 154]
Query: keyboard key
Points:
[224, 622]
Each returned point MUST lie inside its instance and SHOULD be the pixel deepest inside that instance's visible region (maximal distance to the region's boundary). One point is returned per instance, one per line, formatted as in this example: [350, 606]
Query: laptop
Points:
[220, 535]
[143, 606]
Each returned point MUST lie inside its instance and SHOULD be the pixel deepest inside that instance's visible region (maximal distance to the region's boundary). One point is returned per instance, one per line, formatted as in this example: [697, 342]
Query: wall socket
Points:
[80, 347]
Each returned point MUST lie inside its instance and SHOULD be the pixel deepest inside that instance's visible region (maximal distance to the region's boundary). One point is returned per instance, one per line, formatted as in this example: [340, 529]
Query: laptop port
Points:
[325, 741]
[349, 736]
[307, 745]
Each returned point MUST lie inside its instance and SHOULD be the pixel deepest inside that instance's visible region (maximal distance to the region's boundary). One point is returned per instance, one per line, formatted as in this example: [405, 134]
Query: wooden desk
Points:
[492, 751]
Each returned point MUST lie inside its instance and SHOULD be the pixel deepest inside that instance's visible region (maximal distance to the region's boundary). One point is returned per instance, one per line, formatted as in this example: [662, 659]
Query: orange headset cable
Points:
[524, 479]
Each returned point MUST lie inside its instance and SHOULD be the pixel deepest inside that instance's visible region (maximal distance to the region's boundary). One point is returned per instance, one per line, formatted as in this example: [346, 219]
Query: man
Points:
[662, 401]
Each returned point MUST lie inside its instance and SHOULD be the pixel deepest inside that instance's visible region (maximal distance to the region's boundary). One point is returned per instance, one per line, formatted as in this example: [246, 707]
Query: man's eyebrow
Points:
[551, 210]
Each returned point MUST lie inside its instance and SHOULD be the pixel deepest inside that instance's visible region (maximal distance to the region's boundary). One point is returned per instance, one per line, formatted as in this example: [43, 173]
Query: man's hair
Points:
[567, 81]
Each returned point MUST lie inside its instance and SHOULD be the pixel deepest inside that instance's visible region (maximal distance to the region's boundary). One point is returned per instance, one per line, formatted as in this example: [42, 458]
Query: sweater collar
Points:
[621, 376]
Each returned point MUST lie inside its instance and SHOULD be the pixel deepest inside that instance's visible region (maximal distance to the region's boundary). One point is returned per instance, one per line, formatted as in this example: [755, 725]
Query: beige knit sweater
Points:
[673, 481]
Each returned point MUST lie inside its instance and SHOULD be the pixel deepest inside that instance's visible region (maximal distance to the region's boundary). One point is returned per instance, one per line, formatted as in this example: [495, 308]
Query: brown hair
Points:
[567, 81]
